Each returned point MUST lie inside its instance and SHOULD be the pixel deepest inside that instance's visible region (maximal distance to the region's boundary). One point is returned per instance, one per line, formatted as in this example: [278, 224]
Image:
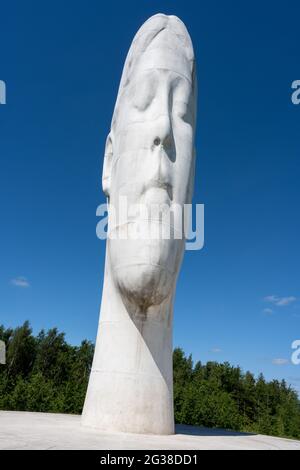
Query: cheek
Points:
[182, 181]
[135, 137]
[184, 162]
[183, 134]
[128, 173]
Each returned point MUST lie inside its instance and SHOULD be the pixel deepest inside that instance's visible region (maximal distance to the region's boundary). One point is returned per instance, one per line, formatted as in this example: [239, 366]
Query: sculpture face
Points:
[150, 161]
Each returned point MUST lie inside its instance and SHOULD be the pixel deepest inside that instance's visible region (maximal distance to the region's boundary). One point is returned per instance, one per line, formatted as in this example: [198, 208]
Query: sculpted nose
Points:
[163, 135]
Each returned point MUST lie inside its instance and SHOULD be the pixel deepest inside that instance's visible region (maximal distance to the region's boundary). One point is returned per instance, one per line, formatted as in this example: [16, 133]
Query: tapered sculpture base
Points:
[130, 387]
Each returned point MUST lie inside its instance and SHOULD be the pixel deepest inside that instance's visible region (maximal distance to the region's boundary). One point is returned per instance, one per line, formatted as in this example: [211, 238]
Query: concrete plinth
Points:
[40, 431]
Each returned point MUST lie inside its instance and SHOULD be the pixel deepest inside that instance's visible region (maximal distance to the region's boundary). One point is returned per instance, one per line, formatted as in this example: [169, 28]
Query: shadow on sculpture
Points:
[149, 160]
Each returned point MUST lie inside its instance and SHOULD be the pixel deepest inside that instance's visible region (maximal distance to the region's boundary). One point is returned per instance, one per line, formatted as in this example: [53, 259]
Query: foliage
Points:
[219, 395]
[45, 373]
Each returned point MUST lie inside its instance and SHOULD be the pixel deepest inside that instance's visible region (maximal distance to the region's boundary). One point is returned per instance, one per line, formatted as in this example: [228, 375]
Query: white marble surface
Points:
[149, 161]
[40, 431]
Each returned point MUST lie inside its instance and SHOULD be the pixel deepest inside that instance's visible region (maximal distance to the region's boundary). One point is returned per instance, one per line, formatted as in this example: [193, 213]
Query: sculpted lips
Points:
[160, 190]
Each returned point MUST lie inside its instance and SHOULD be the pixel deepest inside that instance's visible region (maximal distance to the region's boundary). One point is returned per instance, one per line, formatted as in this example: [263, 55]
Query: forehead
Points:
[164, 58]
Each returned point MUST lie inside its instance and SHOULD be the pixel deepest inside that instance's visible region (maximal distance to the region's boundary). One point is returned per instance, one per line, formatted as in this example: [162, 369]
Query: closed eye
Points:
[144, 91]
[143, 98]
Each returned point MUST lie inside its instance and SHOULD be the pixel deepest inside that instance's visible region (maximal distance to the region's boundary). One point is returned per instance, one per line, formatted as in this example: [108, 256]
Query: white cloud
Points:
[268, 311]
[20, 282]
[216, 350]
[280, 301]
[280, 362]
[286, 301]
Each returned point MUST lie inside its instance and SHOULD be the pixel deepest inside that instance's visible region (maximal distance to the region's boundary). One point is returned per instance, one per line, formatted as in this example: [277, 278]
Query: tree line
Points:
[46, 374]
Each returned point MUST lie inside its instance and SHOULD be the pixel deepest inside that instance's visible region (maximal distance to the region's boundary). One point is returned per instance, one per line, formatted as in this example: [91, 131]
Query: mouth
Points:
[160, 185]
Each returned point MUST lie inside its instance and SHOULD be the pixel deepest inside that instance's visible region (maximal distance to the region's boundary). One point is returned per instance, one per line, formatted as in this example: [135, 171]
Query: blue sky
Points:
[61, 62]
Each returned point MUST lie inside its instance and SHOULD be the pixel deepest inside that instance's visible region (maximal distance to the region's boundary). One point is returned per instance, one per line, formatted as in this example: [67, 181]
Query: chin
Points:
[145, 274]
[143, 285]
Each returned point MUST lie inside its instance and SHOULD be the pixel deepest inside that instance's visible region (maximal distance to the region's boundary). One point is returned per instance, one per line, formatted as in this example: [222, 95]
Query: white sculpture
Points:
[149, 159]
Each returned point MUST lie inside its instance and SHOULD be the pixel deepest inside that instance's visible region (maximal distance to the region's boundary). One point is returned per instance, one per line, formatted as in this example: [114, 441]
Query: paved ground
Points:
[20, 430]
